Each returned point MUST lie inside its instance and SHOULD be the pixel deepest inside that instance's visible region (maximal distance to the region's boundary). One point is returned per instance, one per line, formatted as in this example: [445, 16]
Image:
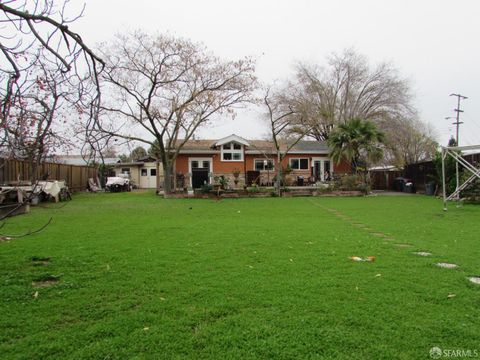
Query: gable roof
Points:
[231, 138]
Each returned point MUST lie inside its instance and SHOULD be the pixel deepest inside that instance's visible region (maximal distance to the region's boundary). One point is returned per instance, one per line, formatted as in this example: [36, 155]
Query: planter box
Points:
[175, 196]
[230, 195]
[343, 193]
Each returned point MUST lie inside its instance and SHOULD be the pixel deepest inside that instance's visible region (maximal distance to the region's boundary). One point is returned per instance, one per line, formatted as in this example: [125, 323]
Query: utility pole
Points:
[457, 123]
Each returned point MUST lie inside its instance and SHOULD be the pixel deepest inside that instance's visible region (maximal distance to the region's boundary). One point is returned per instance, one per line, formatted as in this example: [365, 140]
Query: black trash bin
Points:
[430, 189]
[300, 181]
[404, 185]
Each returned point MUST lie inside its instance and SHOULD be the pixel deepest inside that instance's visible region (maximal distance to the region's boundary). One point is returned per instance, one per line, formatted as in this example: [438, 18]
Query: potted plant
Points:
[236, 175]
[223, 182]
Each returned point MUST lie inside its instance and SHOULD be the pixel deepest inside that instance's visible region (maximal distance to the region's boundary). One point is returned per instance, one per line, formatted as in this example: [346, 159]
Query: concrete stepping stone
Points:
[378, 234]
[404, 245]
[422, 253]
[447, 265]
[475, 279]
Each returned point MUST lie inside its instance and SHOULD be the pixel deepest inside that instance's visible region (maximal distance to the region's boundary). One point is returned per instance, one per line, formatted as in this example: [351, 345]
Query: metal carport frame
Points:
[451, 150]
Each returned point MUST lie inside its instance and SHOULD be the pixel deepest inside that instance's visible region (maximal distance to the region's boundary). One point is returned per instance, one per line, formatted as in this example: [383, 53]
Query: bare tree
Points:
[285, 134]
[348, 87]
[165, 89]
[39, 114]
[409, 141]
[31, 24]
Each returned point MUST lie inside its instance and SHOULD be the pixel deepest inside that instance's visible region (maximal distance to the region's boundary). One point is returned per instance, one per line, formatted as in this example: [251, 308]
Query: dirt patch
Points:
[46, 281]
[475, 279]
[39, 261]
[447, 265]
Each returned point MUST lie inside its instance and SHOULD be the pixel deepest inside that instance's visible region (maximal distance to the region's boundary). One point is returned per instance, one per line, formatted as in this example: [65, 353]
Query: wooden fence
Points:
[383, 179]
[75, 176]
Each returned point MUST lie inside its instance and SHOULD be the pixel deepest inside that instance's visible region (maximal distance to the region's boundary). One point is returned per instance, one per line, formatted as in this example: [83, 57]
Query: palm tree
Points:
[356, 141]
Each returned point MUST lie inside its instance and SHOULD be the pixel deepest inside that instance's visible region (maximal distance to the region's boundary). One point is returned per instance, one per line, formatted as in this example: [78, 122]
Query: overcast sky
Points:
[435, 44]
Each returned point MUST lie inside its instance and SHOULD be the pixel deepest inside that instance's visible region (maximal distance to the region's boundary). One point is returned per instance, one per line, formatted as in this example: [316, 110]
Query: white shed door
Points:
[148, 177]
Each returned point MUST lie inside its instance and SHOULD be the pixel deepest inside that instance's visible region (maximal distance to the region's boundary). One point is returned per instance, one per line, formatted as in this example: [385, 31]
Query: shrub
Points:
[206, 188]
[253, 189]
[349, 182]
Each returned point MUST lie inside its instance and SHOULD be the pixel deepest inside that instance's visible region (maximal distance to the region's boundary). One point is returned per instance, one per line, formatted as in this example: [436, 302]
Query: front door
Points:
[322, 169]
[200, 170]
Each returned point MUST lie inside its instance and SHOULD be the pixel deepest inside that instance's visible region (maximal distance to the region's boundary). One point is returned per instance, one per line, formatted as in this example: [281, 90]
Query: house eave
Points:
[129, 164]
[186, 151]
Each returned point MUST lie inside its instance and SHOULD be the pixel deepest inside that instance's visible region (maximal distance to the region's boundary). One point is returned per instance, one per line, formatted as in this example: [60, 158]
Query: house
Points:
[240, 161]
[253, 161]
[142, 172]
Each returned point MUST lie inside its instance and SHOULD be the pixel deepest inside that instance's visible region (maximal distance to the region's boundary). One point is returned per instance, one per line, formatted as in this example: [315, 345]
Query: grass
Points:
[140, 277]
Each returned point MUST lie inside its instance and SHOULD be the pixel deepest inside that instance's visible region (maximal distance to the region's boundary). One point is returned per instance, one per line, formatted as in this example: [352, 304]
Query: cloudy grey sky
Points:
[434, 43]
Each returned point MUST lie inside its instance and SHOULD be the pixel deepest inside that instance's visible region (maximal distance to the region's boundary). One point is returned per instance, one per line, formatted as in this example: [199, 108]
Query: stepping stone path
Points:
[338, 214]
[475, 279]
[447, 265]
[46, 281]
[422, 253]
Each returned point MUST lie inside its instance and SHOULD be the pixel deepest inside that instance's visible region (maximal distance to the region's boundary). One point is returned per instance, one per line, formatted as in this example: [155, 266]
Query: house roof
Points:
[198, 144]
[80, 160]
[254, 146]
[134, 163]
[147, 158]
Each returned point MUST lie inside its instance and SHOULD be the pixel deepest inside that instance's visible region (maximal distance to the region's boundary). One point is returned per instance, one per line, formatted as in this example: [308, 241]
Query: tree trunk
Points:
[278, 183]
[158, 175]
[167, 177]
[367, 180]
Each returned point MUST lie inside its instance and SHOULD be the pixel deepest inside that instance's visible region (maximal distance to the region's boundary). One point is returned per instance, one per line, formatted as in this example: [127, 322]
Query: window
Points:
[299, 164]
[144, 172]
[126, 171]
[153, 172]
[200, 164]
[232, 152]
[260, 165]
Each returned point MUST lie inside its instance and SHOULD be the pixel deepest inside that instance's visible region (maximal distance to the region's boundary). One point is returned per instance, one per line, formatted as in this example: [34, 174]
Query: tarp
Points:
[117, 181]
[52, 188]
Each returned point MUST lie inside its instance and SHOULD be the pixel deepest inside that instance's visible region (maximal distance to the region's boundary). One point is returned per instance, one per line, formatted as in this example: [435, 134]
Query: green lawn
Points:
[146, 278]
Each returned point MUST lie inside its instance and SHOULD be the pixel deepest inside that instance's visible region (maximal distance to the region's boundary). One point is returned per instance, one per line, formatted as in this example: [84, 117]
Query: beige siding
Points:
[142, 182]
